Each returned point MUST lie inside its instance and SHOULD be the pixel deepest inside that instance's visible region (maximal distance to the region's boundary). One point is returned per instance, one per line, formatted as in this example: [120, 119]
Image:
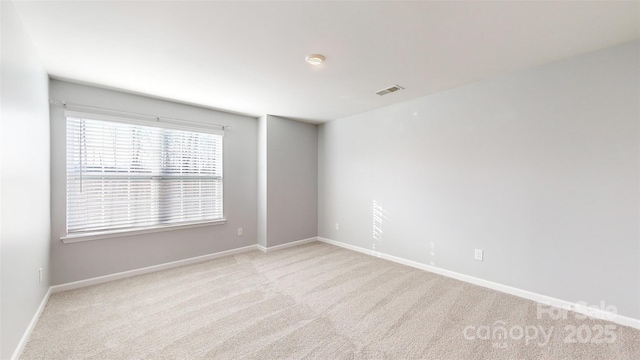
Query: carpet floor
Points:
[314, 301]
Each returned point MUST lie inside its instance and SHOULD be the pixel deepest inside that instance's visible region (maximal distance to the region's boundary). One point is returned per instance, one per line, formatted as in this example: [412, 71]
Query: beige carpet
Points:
[311, 301]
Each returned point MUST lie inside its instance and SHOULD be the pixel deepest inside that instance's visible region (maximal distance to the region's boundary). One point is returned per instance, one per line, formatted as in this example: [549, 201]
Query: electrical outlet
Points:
[40, 275]
[239, 231]
[337, 226]
[479, 255]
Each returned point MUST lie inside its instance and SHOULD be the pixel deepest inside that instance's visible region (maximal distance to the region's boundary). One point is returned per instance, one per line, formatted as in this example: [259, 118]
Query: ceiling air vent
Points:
[390, 89]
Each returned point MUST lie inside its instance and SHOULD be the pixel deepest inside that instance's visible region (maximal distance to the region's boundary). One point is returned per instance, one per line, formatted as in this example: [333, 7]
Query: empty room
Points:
[320, 180]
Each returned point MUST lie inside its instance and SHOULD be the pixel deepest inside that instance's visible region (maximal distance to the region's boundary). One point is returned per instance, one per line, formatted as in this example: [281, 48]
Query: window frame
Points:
[164, 123]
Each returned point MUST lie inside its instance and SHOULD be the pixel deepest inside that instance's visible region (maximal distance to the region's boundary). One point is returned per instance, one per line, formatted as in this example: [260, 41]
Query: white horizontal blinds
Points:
[122, 176]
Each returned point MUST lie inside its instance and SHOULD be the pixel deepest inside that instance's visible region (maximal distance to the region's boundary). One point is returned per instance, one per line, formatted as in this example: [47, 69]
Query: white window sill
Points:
[73, 238]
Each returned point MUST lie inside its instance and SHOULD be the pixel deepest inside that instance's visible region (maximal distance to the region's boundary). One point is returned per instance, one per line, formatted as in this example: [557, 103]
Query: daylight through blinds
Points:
[127, 176]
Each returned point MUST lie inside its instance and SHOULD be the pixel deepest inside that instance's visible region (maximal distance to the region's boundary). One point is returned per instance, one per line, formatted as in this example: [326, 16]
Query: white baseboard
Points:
[130, 273]
[287, 245]
[32, 325]
[543, 299]
[149, 269]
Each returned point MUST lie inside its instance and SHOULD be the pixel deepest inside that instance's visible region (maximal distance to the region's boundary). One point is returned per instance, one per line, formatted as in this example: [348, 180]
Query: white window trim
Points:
[165, 123]
[97, 235]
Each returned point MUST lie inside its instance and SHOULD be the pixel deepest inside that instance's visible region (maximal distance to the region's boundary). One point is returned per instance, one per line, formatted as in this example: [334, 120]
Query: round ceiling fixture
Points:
[315, 59]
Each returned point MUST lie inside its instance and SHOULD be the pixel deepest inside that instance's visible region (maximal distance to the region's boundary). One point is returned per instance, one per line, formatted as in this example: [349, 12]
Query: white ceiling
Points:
[248, 57]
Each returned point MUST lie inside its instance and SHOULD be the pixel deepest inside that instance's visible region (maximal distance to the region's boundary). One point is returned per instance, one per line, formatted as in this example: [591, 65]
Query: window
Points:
[124, 174]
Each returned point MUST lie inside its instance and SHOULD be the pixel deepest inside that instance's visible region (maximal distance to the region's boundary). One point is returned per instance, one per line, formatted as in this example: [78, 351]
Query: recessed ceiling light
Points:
[315, 59]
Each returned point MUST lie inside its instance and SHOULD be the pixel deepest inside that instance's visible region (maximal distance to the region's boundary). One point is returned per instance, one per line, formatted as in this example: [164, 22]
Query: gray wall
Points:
[539, 168]
[77, 261]
[288, 181]
[24, 169]
[292, 180]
